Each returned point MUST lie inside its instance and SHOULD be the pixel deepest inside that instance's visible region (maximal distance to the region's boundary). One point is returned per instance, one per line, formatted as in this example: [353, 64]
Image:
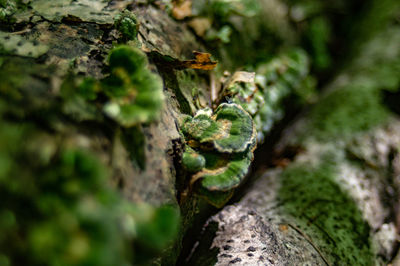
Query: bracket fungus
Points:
[229, 130]
[193, 161]
[219, 149]
[261, 93]
[135, 93]
[132, 93]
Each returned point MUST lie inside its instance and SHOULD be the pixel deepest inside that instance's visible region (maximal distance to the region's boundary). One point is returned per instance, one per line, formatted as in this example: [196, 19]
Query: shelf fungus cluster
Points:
[261, 93]
[134, 94]
[219, 150]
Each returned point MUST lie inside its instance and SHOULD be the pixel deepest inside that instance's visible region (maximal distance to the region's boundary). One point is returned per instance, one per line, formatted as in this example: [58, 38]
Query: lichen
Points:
[19, 45]
[312, 196]
[84, 10]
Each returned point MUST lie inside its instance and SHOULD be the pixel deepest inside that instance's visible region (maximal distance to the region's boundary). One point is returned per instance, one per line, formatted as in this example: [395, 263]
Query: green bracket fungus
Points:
[193, 161]
[134, 93]
[229, 130]
[242, 89]
[219, 150]
[227, 176]
[127, 23]
[242, 132]
[261, 93]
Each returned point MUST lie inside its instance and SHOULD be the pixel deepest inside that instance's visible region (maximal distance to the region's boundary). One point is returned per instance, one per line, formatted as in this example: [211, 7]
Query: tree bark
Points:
[46, 47]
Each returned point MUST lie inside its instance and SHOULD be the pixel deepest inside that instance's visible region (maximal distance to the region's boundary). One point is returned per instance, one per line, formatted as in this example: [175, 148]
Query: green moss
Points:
[346, 111]
[222, 9]
[127, 24]
[326, 213]
[60, 209]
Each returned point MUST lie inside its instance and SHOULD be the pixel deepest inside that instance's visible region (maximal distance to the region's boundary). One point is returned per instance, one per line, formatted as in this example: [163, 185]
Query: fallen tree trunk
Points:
[77, 155]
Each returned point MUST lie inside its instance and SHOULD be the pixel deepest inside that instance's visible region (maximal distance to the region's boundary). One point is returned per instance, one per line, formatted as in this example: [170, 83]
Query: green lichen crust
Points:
[135, 93]
[312, 196]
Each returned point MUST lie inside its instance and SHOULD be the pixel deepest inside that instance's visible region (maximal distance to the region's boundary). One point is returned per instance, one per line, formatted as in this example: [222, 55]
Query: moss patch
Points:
[326, 214]
[346, 111]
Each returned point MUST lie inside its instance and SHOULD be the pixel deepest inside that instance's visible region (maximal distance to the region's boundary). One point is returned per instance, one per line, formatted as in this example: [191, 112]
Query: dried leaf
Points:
[241, 76]
[200, 25]
[182, 10]
[236, 78]
[202, 61]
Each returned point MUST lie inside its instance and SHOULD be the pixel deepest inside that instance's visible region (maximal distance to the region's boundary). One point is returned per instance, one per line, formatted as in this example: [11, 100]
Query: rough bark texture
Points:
[284, 218]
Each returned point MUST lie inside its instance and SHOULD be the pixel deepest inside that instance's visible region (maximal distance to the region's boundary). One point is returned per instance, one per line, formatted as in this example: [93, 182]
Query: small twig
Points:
[311, 243]
[21, 31]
